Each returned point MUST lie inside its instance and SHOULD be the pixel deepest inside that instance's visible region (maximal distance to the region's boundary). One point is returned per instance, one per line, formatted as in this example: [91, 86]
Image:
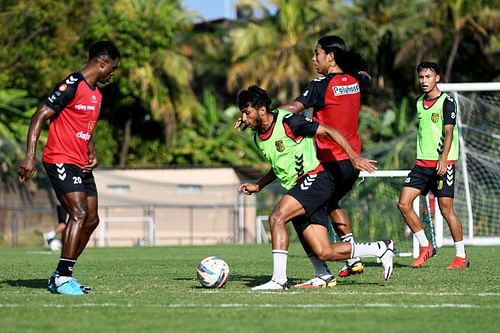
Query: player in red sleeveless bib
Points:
[69, 156]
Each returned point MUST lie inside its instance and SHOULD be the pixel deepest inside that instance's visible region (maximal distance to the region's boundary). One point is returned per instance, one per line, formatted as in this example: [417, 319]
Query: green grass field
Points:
[155, 290]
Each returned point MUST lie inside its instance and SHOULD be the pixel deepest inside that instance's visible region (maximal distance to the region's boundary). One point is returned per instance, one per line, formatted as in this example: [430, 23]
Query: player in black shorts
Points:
[286, 141]
[437, 152]
[69, 156]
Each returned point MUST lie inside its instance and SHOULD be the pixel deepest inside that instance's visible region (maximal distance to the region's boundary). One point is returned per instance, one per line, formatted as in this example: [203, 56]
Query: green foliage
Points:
[168, 63]
[105, 144]
[213, 140]
[16, 109]
[275, 53]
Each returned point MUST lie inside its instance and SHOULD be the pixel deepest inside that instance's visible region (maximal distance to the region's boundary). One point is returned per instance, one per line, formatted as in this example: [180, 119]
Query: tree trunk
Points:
[127, 133]
[457, 36]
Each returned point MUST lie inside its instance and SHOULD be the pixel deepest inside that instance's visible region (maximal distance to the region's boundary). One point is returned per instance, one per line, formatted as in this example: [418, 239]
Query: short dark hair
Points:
[104, 48]
[429, 65]
[255, 97]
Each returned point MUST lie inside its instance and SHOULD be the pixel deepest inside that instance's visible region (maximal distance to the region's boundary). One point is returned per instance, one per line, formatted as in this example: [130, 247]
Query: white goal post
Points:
[478, 124]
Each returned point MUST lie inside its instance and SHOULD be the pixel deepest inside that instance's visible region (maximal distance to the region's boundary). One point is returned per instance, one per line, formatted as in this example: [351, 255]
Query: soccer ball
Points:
[55, 245]
[212, 272]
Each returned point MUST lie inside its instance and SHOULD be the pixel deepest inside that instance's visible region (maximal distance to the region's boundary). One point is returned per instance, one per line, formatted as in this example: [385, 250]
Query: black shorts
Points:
[320, 216]
[425, 179]
[62, 214]
[66, 178]
[313, 191]
[344, 177]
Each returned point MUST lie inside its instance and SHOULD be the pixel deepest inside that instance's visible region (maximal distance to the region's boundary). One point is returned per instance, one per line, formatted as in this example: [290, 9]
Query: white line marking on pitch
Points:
[350, 293]
[245, 305]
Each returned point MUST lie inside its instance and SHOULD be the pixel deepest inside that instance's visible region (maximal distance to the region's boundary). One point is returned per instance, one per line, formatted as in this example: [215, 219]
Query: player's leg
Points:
[449, 214]
[68, 184]
[416, 183]
[91, 222]
[286, 209]
[311, 193]
[323, 278]
[317, 237]
[345, 176]
[444, 191]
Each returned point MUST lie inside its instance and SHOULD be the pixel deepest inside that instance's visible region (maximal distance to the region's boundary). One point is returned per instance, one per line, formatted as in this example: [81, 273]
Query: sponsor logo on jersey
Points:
[435, 117]
[346, 90]
[94, 99]
[85, 107]
[82, 135]
[280, 146]
[63, 87]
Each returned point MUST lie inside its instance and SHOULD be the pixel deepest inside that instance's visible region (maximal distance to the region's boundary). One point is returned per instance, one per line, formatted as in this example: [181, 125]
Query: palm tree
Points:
[448, 20]
[154, 75]
[275, 52]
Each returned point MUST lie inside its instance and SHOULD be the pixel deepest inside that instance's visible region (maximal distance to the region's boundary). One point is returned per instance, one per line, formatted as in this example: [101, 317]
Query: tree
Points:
[213, 140]
[275, 52]
[15, 111]
[154, 76]
[451, 20]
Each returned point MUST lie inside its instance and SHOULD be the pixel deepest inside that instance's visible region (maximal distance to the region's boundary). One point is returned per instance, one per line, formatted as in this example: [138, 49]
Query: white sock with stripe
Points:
[279, 265]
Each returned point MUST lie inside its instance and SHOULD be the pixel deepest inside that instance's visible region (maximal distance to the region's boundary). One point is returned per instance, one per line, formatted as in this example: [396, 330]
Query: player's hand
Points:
[249, 188]
[91, 164]
[441, 167]
[240, 125]
[364, 164]
[27, 169]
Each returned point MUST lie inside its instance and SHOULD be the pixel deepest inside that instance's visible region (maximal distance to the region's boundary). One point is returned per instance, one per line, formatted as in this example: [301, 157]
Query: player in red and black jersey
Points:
[335, 100]
[69, 156]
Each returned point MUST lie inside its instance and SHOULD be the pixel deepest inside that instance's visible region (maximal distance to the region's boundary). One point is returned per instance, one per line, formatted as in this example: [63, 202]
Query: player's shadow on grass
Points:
[28, 283]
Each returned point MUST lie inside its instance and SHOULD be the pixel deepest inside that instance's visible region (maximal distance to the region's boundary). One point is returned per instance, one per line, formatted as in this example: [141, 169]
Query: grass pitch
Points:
[155, 290]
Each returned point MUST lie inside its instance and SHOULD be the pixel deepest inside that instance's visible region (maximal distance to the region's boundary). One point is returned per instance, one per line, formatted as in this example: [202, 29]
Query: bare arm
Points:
[28, 166]
[443, 160]
[359, 162]
[249, 188]
[92, 158]
[294, 107]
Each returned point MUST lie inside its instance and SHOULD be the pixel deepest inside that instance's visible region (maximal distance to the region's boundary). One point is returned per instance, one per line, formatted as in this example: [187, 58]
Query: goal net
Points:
[477, 187]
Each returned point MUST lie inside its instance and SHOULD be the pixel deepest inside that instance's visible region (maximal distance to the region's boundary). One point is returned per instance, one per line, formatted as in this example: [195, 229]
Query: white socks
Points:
[279, 265]
[375, 249]
[51, 235]
[460, 249]
[320, 267]
[349, 238]
[422, 239]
